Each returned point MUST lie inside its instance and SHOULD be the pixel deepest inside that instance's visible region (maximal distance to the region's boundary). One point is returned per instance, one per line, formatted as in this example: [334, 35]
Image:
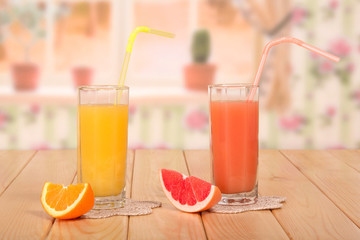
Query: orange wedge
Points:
[67, 202]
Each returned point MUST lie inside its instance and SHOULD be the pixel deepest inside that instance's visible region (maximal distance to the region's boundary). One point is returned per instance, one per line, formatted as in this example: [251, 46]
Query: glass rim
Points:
[233, 85]
[104, 87]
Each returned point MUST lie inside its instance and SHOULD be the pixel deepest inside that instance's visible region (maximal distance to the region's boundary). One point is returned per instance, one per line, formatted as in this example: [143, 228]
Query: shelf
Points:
[67, 95]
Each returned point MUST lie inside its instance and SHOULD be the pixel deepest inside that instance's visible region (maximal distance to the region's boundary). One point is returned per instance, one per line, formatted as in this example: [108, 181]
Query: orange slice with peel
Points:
[188, 194]
[67, 202]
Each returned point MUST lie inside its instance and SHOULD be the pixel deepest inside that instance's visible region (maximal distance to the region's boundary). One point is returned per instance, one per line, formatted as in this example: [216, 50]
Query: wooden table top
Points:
[322, 190]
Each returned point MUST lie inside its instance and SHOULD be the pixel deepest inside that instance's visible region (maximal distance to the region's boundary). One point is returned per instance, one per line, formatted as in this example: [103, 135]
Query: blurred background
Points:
[48, 48]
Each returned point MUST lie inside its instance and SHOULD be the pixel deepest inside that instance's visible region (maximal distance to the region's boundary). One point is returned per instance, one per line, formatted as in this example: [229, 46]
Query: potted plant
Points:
[4, 20]
[82, 75]
[199, 74]
[29, 17]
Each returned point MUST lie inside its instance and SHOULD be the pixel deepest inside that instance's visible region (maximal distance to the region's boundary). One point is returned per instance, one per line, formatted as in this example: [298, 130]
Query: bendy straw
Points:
[130, 46]
[275, 42]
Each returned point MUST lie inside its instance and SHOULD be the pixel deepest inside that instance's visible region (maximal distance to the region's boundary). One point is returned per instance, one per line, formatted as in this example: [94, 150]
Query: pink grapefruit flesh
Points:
[188, 194]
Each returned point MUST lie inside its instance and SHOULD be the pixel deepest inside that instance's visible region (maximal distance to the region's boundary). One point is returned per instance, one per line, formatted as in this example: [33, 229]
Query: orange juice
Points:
[102, 147]
[234, 134]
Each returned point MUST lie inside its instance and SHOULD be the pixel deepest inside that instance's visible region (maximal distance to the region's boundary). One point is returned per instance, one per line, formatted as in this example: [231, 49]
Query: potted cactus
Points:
[199, 74]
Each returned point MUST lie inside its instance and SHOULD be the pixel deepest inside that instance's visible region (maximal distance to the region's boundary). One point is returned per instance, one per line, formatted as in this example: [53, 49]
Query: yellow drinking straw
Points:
[130, 46]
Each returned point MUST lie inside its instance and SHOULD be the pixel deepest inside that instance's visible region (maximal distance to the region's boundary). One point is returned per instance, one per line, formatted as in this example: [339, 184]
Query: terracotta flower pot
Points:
[199, 76]
[25, 76]
[82, 76]
[2, 52]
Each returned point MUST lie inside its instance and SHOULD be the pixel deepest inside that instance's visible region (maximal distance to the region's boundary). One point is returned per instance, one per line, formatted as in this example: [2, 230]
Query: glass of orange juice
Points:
[234, 142]
[102, 142]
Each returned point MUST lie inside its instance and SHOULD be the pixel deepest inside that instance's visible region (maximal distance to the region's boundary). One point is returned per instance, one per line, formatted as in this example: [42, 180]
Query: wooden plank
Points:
[12, 163]
[199, 164]
[165, 222]
[129, 172]
[350, 157]
[337, 180]
[106, 228]
[247, 225]
[22, 215]
[307, 212]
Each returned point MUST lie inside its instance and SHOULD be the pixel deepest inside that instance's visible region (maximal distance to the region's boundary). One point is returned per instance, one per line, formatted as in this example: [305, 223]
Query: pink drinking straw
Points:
[285, 40]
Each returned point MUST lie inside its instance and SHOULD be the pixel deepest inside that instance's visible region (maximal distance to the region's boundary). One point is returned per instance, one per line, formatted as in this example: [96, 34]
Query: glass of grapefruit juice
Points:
[102, 142]
[234, 142]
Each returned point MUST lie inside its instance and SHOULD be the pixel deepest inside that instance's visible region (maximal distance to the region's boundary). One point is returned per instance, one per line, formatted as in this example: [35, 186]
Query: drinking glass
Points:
[234, 143]
[102, 142]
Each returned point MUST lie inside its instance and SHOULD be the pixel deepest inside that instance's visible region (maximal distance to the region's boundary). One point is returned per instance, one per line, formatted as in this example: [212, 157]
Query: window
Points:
[60, 35]
[67, 34]
[82, 37]
[159, 60]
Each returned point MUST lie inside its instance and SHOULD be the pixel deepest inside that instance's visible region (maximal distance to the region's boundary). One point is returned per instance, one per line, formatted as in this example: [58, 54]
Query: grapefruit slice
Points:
[188, 194]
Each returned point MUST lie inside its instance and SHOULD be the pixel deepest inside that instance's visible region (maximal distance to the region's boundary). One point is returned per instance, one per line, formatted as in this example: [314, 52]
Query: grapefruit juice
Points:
[234, 131]
[234, 142]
